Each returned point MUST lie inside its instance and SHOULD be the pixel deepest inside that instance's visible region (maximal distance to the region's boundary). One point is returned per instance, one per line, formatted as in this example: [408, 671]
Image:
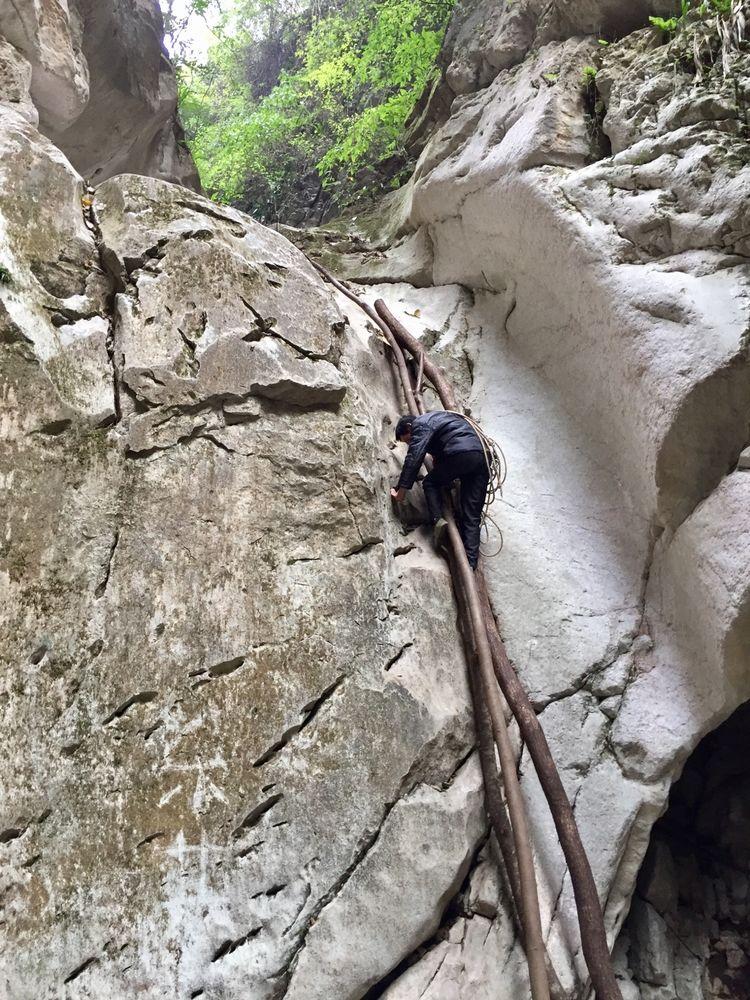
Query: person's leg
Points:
[474, 482]
[433, 486]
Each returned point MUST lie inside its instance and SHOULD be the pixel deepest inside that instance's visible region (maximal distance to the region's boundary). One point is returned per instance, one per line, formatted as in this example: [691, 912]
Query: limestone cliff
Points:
[592, 202]
[240, 756]
[94, 75]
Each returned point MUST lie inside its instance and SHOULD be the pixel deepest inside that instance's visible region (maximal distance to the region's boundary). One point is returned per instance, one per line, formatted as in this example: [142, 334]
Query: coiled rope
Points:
[497, 467]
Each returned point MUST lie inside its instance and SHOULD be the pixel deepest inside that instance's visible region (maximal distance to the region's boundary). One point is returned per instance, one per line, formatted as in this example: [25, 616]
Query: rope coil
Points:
[497, 467]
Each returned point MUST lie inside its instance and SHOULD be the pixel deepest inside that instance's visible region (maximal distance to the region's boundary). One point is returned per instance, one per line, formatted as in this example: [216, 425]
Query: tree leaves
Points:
[336, 110]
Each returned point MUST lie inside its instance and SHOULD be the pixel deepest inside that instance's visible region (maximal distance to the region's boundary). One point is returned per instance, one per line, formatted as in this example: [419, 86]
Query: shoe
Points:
[440, 534]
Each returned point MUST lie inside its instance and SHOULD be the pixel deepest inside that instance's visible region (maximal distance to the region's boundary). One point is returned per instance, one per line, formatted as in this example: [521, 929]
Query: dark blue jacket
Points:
[442, 435]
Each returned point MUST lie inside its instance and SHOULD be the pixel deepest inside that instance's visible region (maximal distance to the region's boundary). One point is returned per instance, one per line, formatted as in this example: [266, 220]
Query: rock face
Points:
[484, 40]
[239, 750]
[598, 231]
[234, 691]
[47, 34]
[95, 77]
[688, 927]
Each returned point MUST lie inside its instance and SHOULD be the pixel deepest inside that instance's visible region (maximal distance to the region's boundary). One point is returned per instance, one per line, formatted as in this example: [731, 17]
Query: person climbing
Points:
[457, 453]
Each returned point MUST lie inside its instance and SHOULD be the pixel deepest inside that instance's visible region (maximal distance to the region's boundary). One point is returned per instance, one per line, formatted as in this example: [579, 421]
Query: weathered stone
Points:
[408, 260]
[613, 680]
[234, 697]
[133, 91]
[48, 34]
[15, 82]
[54, 295]
[472, 962]
[354, 941]
[689, 924]
[96, 77]
[677, 693]
[485, 895]
[265, 327]
[611, 706]
[651, 944]
[217, 681]
[486, 39]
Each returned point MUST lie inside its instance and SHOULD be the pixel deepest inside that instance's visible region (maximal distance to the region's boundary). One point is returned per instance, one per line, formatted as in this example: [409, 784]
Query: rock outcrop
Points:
[95, 77]
[239, 749]
[232, 688]
[591, 201]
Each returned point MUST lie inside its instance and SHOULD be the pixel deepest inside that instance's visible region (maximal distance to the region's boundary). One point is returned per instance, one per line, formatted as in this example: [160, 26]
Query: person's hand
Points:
[398, 495]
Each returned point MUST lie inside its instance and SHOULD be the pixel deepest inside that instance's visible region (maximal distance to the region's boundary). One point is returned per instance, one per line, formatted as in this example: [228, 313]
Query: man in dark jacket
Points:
[457, 453]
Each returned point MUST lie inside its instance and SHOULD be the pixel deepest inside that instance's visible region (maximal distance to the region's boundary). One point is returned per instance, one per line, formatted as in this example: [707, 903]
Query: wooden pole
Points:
[590, 916]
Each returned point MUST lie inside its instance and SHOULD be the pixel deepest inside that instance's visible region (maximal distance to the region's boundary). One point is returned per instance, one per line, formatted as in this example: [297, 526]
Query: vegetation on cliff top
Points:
[299, 107]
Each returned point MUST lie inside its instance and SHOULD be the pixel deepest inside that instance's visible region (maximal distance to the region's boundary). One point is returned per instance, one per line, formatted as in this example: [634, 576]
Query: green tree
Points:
[296, 104]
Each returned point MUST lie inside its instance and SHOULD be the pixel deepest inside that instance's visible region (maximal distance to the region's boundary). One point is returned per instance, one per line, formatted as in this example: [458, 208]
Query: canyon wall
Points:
[240, 756]
[587, 200]
[94, 76]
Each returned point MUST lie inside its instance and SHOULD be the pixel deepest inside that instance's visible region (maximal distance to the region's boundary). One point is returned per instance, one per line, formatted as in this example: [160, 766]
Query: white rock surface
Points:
[15, 82]
[55, 294]
[355, 942]
[239, 742]
[628, 272]
[697, 673]
[487, 38]
[48, 34]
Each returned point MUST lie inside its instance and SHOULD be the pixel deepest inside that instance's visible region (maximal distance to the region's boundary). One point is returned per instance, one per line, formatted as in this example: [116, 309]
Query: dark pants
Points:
[471, 468]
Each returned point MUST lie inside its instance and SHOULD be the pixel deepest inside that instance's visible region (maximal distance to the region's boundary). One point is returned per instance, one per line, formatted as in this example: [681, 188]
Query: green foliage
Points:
[5, 276]
[291, 104]
[716, 7]
[666, 24]
[588, 75]
[703, 8]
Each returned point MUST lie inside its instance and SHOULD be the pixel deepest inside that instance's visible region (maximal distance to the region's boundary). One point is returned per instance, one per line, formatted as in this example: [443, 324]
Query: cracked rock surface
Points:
[234, 692]
[594, 311]
[239, 753]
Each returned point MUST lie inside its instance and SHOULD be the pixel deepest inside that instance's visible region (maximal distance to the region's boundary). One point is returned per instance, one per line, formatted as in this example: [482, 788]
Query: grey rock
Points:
[48, 34]
[485, 40]
[134, 91]
[234, 697]
[99, 83]
[15, 82]
[611, 706]
[54, 299]
[201, 620]
[354, 943]
[651, 938]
